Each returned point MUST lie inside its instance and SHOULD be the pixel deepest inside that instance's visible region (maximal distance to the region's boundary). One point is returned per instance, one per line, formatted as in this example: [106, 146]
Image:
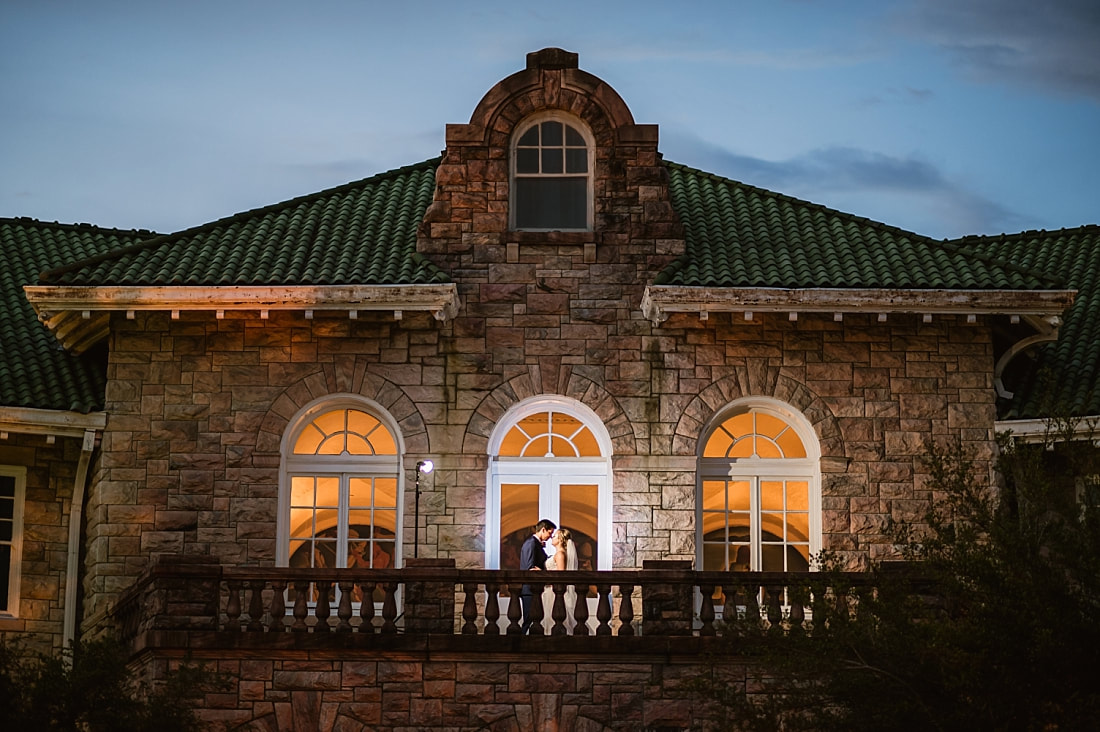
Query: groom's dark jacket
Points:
[531, 555]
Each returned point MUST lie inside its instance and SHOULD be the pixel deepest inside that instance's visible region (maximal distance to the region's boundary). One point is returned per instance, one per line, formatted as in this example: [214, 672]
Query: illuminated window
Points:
[551, 175]
[12, 490]
[340, 491]
[758, 491]
[549, 458]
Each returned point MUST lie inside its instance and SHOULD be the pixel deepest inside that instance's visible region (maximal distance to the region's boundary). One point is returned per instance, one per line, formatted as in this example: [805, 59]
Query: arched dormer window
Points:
[552, 174]
[759, 490]
[339, 502]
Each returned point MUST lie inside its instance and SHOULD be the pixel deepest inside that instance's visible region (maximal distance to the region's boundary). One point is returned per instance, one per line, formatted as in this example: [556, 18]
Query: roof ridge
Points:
[161, 239]
[24, 220]
[802, 201]
[953, 245]
[1084, 228]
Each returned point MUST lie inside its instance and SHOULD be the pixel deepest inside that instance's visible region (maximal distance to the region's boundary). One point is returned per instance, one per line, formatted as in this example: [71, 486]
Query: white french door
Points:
[572, 494]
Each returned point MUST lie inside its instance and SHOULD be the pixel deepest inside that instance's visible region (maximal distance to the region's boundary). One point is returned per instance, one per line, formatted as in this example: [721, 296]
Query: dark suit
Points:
[531, 556]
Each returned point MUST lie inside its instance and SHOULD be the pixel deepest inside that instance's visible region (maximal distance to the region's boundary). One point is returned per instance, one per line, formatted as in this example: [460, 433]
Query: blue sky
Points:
[944, 117]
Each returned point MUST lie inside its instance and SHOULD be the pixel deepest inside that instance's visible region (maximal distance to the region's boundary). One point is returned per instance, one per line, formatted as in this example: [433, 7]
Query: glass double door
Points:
[572, 501]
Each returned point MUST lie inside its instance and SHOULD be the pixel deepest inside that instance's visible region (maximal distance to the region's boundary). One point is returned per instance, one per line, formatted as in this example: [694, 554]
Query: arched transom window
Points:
[551, 178]
[759, 491]
[340, 498]
[549, 458]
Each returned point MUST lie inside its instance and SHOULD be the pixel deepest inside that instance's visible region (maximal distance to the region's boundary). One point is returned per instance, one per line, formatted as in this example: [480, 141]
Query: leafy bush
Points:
[994, 624]
[89, 687]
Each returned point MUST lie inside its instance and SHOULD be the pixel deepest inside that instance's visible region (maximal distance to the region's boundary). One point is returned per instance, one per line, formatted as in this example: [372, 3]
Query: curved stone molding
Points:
[765, 382]
[330, 379]
[530, 384]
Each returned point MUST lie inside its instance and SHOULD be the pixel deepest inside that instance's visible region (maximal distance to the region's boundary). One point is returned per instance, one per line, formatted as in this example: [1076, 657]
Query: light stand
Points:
[425, 467]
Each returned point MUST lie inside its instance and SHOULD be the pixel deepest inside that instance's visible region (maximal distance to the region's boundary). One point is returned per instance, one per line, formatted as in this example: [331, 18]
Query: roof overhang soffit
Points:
[28, 421]
[659, 301]
[80, 316]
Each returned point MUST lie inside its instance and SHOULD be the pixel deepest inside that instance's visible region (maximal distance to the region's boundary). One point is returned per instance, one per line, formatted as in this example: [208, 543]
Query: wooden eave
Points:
[79, 316]
[49, 422]
[659, 301]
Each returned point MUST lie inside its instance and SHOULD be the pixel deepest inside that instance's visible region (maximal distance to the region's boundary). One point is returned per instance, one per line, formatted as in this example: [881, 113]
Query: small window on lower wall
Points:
[13, 482]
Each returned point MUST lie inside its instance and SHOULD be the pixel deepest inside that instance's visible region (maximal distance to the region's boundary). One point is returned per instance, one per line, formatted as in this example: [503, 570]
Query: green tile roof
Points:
[34, 371]
[741, 236]
[365, 233]
[1064, 379]
[361, 233]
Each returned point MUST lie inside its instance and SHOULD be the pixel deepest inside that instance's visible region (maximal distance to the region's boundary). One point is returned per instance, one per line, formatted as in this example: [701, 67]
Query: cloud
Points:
[900, 191]
[1049, 45]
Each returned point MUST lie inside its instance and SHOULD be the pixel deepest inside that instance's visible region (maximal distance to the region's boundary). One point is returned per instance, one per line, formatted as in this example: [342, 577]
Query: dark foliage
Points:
[90, 688]
[992, 624]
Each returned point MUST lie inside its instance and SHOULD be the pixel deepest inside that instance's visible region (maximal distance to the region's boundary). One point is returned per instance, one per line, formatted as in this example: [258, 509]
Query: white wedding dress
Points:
[570, 594]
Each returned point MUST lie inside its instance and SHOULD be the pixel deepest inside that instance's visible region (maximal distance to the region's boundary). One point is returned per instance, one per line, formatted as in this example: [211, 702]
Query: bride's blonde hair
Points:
[565, 534]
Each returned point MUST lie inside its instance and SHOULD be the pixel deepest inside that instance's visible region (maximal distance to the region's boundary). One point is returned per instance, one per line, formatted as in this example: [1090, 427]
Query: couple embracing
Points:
[533, 556]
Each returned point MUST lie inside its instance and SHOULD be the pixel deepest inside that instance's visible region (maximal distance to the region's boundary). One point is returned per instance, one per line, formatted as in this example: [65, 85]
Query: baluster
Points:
[233, 606]
[492, 609]
[752, 604]
[389, 608]
[603, 609]
[796, 596]
[730, 616]
[580, 612]
[366, 607]
[775, 608]
[324, 608]
[256, 606]
[706, 610]
[535, 627]
[469, 609]
[301, 606]
[626, 609]
[278, 607]
[515, 612]
[557, 612]
[343, 611]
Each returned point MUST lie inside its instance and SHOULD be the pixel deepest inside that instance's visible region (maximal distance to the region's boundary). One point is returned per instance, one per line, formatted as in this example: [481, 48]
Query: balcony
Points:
[194, 603]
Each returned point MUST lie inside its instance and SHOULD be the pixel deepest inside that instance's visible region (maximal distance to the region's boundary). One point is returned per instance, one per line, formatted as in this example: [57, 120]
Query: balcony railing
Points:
[432, 597]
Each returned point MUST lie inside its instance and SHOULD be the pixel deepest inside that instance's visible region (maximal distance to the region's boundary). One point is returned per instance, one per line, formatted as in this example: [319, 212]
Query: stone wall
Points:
[198, 407]
[543, 691]
[51, 470]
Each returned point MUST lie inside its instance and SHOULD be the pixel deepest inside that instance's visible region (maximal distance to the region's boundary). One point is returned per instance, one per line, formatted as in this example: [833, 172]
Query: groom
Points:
[532, 556]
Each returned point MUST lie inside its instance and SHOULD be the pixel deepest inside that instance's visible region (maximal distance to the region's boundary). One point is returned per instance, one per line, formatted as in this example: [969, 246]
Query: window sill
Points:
[551, 237]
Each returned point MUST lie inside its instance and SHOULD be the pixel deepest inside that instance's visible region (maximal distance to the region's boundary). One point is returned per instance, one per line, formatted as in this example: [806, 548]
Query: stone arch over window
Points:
[552, 157]
[340, 486]
[549, 457]
[759, 489]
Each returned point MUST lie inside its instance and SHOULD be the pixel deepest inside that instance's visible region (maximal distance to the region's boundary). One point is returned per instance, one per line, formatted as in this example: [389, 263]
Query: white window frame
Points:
[344, 467]
[549, 474]
[15, 569]
[520, 130]
[755, 469]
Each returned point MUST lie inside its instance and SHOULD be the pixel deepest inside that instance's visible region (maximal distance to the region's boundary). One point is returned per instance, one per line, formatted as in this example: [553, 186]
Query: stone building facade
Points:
[606, 368]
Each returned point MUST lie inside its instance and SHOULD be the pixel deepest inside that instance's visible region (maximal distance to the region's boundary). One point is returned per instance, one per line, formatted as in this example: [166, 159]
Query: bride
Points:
[563, 558]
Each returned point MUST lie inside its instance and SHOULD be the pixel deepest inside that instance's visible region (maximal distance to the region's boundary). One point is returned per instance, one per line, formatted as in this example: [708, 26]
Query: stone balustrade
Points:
[191, 595]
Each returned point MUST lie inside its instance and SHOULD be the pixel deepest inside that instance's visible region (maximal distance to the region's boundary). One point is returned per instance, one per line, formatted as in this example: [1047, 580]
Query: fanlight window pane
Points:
[343, 431]
[754, 434]
[549, 435]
